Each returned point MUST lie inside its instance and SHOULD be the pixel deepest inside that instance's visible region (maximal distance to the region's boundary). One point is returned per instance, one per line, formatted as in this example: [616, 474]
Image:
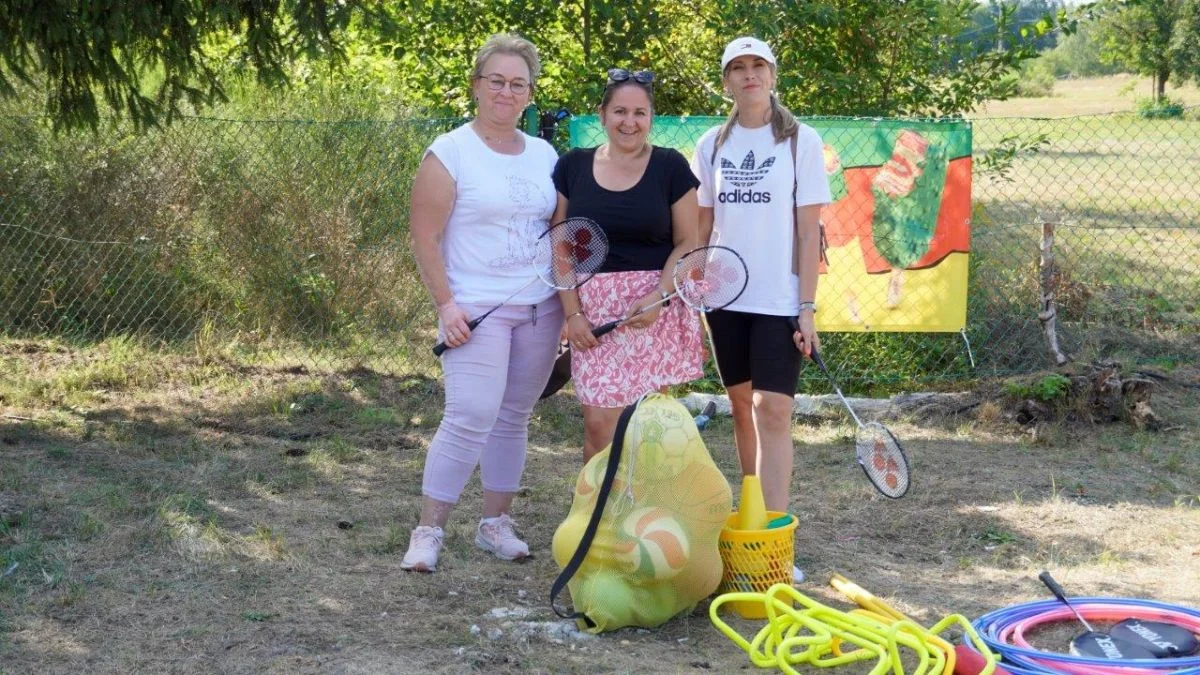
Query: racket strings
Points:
[883, 459]
[710, 277]
[571, 252]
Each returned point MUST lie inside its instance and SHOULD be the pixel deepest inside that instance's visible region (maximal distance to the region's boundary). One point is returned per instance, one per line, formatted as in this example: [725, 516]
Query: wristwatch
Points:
[808, 305]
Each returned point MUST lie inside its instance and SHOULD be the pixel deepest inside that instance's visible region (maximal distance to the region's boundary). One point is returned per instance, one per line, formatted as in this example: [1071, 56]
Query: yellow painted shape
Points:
[927, 300]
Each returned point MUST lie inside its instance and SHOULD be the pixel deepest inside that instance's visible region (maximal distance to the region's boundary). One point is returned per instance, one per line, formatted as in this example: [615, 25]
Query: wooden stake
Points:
[1049, 282]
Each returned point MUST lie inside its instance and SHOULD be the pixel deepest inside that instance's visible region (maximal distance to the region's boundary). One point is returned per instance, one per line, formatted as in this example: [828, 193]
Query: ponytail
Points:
[726, 128]
[783, 122]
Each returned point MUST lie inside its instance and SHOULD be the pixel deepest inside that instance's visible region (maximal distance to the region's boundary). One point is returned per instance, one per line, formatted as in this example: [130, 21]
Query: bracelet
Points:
[572, 316]
[808, 305]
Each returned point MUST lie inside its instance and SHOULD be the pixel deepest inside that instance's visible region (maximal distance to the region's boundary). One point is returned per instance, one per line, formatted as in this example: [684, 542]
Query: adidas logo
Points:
[747, 174]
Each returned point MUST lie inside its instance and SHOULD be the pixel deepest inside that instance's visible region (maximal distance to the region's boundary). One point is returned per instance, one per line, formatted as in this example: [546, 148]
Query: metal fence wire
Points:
[286, 242]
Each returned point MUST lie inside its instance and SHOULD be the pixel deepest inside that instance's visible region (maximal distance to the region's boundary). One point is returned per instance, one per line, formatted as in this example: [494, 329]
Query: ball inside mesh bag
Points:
[612, 598]
[664, 443]
[701, 493]
[590, 479]
[654, 552]
[659, 546]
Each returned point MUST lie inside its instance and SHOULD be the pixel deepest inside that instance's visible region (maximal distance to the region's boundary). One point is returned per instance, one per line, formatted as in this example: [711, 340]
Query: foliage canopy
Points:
[150, 61]
[1160, 38]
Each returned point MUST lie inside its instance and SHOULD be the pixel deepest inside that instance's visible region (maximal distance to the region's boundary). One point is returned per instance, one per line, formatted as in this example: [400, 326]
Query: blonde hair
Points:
[508, 43]
[783, 122]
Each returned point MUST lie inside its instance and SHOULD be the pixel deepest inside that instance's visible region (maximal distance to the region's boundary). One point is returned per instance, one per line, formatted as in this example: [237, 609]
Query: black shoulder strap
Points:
[822, 242]
[610, 472]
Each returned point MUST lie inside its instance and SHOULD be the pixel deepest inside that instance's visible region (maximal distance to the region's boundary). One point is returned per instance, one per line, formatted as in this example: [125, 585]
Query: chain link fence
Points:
[286, 242]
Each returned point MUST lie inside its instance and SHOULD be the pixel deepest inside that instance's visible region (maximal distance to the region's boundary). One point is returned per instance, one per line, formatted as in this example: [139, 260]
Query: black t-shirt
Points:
[638, 220]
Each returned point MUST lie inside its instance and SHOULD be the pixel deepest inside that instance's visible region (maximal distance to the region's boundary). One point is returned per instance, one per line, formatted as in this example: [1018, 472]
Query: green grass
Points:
[1127, 243]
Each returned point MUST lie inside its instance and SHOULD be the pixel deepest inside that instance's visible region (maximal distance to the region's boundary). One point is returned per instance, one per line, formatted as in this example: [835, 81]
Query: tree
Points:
[152, 60]
[145, 58]
[1185, 42]
[434, 42]
[838, 56]
[1159, 38]
[883, 57]
[1079, 54]
[1003, 20]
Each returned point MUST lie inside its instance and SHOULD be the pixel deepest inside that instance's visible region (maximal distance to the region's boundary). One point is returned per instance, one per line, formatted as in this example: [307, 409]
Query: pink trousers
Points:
[492, 383]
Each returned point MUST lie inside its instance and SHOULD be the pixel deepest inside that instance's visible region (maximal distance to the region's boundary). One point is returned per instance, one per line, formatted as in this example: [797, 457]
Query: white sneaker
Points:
[497, 536]
[424, 544]
[797, 575]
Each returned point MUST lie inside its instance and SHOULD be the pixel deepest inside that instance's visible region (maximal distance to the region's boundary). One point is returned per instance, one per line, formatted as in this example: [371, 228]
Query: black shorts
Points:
[755, 348]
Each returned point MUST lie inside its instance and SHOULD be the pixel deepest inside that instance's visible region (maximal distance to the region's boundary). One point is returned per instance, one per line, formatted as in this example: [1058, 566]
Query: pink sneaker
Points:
[497, 536]
[423, 546]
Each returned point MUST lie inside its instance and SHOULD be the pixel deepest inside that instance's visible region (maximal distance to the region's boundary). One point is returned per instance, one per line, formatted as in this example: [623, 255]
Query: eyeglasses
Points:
[496, 83]
[620, 75]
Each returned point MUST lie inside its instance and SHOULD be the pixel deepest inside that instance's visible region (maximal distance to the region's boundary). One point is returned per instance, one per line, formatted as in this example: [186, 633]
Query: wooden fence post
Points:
[1048, 314]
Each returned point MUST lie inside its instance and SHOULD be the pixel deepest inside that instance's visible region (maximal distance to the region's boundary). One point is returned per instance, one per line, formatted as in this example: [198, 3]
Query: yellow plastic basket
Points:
[755, 560]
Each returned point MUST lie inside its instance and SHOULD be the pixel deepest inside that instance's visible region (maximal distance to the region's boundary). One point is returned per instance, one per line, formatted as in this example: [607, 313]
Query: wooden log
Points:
[920, 405]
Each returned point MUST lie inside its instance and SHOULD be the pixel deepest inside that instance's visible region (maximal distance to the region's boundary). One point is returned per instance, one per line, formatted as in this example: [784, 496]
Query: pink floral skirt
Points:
[630, 362]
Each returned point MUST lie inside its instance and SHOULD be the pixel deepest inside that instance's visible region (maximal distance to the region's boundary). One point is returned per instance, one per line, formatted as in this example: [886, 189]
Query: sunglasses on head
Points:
[620, 75]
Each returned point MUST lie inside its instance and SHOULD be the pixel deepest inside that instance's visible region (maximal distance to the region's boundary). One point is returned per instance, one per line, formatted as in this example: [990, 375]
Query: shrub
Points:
[1036, 79]
[1046, 389]
[1163, 108]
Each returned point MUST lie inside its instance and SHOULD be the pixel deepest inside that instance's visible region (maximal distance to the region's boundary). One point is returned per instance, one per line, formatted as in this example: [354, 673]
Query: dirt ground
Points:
[193, 515]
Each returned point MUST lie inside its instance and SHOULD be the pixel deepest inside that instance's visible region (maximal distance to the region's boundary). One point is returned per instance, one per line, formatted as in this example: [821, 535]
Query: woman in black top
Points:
[644, 198]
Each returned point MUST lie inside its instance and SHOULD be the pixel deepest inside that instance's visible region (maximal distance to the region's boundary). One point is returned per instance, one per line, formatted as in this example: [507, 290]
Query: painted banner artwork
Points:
[899, 225]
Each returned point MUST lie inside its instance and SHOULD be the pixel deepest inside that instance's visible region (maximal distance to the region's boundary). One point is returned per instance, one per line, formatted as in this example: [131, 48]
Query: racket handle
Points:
[441, 347]
[1050, 583]
[816, 357]
[812, 352]
[605, 329]
[611, 325]
[1059, 593]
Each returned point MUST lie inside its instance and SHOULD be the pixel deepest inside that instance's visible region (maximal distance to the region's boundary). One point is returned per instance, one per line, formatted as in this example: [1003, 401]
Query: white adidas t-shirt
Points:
[503, 203]
[751, 195]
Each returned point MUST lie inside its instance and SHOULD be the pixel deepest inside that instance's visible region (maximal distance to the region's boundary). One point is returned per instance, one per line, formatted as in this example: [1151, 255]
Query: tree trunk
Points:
[587, 32]
[1160, 83]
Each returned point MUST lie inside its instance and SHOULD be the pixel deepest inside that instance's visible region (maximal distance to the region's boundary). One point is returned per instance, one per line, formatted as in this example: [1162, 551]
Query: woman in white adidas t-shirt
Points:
[480, 199]
[762, 185]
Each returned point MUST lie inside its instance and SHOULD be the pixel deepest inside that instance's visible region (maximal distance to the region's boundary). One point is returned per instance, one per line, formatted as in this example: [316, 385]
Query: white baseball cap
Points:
[746, 45]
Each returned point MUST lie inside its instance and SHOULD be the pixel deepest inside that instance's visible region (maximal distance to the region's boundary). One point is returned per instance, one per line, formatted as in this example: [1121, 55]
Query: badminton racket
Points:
[566, 256]
[706, 278]
[876, 448]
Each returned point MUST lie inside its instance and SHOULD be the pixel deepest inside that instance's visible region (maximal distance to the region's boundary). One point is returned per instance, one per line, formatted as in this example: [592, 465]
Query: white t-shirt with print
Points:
[750, 193]
[502, 204]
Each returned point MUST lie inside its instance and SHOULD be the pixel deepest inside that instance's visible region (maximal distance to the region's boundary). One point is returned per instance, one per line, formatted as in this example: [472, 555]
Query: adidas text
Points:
[744, 197]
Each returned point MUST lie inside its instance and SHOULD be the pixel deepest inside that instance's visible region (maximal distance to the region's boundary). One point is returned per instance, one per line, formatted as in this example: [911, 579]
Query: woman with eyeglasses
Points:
[644, 197]
[762, 186]
[480, 199]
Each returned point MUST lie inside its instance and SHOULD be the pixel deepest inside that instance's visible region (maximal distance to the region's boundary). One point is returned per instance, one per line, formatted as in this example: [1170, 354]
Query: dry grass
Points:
[1087, 96]
[219, 519]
